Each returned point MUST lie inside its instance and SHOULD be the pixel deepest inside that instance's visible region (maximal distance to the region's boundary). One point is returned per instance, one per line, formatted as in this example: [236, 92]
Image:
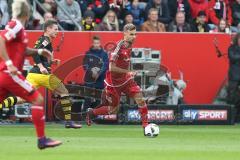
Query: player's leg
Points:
[110, 105]
[9, 102]
[3, 95]
[6, 103]
[142, 108]
[20, 87]
[54, 84]
[66, 105]
[38, 119]
[134, 91]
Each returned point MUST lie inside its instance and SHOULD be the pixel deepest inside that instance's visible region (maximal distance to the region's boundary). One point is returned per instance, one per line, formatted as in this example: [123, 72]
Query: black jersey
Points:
[42, 42]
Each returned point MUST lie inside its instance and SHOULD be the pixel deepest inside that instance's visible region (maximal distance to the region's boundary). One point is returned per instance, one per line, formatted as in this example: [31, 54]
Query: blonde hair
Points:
[20, 8]
[106, 20]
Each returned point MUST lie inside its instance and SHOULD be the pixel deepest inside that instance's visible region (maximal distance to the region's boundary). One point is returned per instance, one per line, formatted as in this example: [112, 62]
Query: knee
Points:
[20, 100]
[62, 90]
[65, 90]
[141, 102]
[38, 100]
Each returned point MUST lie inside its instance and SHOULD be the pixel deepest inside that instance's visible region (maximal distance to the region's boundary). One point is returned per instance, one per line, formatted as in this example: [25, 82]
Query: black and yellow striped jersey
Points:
[42, 42]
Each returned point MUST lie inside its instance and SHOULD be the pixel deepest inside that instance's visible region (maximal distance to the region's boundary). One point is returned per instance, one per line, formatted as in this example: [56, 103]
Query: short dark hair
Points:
[49, 23]
[129, 27]
[96, 38]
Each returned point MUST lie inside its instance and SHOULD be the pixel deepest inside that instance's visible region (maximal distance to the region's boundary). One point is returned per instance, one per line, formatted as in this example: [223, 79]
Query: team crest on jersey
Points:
[45, 43]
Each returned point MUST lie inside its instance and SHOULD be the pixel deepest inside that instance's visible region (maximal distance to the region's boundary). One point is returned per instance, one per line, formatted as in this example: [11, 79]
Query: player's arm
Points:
[3, 55]
[35, 53]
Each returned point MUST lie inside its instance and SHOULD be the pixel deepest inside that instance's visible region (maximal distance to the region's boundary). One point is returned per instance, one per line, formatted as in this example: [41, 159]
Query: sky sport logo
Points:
[192, 114]
[153, 115]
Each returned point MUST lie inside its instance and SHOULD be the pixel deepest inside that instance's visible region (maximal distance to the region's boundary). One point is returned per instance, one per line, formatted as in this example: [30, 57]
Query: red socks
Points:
[38, 120]
[104, 110]
[144, 115]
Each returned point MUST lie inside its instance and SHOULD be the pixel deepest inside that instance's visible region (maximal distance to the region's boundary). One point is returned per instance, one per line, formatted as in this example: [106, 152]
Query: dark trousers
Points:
[233, 96]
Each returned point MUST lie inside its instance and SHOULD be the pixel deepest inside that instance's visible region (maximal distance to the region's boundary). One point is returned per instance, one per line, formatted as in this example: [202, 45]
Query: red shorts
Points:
[111, 95]
[16, 85]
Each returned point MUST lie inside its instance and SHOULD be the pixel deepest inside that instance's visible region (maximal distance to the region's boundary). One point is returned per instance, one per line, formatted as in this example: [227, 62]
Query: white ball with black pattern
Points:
[151, 130]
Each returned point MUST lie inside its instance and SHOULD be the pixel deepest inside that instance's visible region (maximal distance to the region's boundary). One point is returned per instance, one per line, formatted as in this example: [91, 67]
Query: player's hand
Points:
[95, 72]
[95, 76]
[56, 61]
[43, 70]
[12, 69]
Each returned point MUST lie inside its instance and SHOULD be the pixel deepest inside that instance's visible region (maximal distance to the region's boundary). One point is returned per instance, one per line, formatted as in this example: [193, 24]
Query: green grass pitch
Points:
[116, 142]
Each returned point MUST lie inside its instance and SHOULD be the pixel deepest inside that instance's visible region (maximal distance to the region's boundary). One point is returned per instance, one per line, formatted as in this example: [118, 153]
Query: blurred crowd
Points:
[147, 15]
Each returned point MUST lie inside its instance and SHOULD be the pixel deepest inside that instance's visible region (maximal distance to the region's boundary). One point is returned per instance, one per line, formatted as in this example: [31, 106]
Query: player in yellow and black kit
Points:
[40, 75]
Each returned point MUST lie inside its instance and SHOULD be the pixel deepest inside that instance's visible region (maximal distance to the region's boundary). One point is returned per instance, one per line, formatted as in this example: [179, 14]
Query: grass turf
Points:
[113, 142]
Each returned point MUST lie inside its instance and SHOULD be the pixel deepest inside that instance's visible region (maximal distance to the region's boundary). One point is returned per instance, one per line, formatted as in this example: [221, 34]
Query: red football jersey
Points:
[121, 57]
[16, 43]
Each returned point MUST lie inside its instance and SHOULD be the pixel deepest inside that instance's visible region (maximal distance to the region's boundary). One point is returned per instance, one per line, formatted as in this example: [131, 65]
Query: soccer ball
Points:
[151, 130]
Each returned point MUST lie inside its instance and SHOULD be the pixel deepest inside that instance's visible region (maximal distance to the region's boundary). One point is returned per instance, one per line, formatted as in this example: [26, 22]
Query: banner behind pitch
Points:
[183, 114]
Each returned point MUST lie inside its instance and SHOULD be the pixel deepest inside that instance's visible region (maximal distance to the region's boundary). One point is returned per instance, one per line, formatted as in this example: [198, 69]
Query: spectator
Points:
[95, 65]
[5, 14]
[83, 5]
[197, 6]
[234, 73]
[34, 24]
[137, 12]
[127, 19]
[235, 29]
[110, 22]
[152, 24]
[236, 15]
[73, 10]
[47, 16]
[199, 24]
[179, 24]
[179, 5]
[220, 9]
[99, 7]
[50, 6]
[88, 23]
[143, 4]
[163, 11]
[118, 6]
[221, 27]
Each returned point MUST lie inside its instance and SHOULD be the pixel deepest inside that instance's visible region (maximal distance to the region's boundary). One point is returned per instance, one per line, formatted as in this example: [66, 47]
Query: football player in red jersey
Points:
[13, 49]
[119, 79]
